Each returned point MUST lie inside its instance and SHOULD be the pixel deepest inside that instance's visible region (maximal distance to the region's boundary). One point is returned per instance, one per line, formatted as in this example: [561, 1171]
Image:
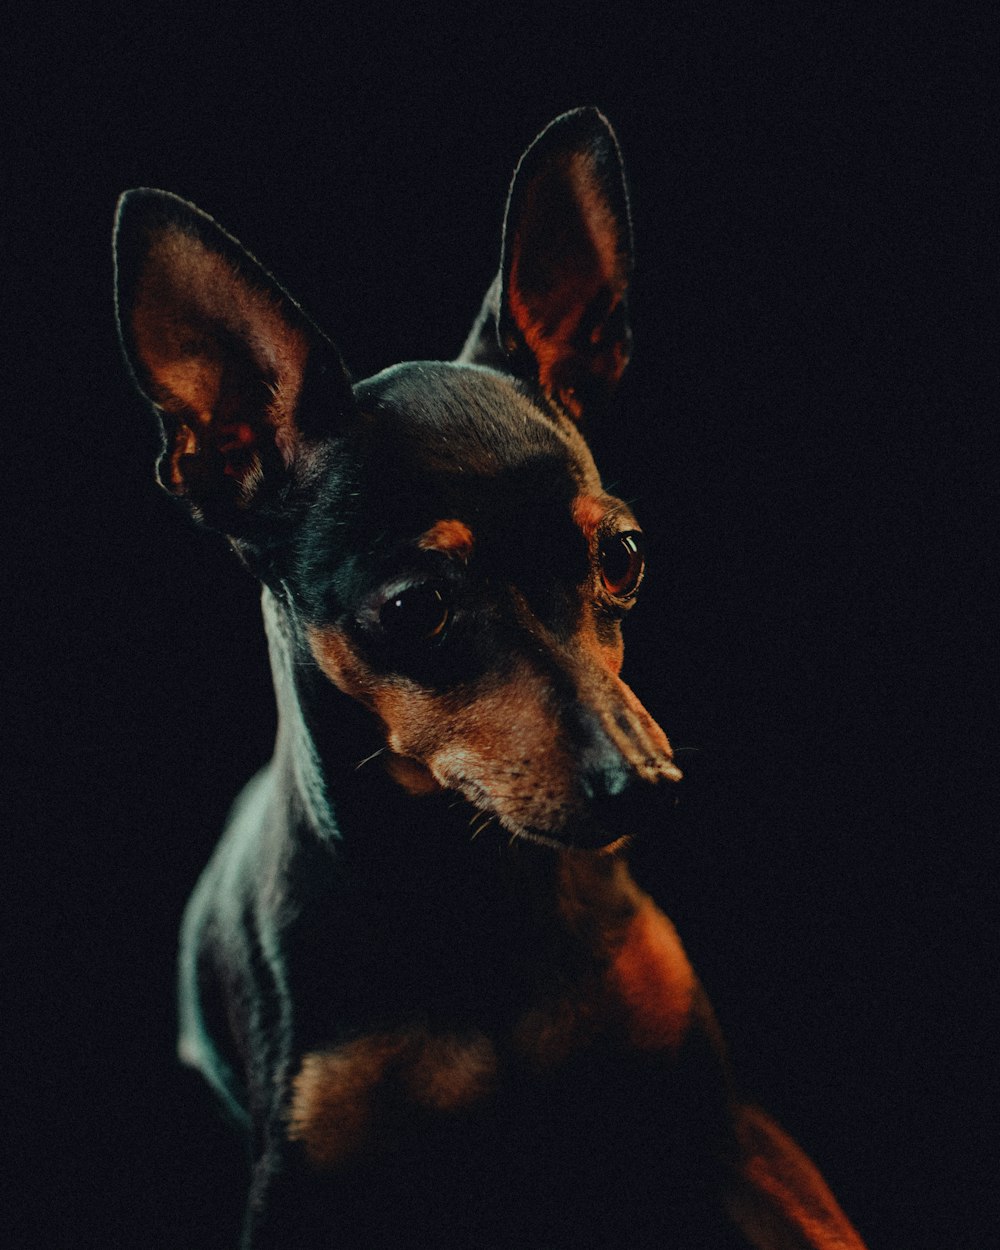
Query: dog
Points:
[417, 969]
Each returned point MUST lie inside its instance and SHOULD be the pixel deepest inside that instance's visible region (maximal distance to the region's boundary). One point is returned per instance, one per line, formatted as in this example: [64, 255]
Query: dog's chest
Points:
[626, 1011]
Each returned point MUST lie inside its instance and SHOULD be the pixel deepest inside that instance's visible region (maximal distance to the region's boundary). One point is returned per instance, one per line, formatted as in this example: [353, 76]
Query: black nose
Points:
[618, 804]
[623, 774]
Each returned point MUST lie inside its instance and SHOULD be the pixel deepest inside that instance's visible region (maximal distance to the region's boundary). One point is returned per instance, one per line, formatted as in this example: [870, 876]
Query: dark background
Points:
[801, 431]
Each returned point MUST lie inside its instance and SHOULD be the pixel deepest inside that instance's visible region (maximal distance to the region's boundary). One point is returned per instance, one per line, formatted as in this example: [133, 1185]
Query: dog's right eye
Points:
[416, 614]
[623, 563]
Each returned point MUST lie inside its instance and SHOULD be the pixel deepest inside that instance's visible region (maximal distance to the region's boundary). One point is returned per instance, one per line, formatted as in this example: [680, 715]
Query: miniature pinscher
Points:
[417, 969]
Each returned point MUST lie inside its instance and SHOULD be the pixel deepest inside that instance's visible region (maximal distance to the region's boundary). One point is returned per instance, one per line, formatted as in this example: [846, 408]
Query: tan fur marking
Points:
[490, 740]
[652, 976]
[447, 1074]
[452, 537]
[411, 775]
[608, 653]
[337, 658]
[638, 979]
[781, 1199]
[332, 1096]
[588, 513]
[333, 1110]
[498, 742]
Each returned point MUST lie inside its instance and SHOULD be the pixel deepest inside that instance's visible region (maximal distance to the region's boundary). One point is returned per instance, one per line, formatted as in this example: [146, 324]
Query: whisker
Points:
[484, 823]
[368, 758]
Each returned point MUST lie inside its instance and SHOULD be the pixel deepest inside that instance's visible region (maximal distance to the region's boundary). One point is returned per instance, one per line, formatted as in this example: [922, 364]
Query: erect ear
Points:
[243, 382]
[556, 314]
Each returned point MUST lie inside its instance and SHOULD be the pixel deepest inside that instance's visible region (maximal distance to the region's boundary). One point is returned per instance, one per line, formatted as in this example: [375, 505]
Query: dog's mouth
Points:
[590, 830]
[598, 842]
[580, 831]
[574, 818]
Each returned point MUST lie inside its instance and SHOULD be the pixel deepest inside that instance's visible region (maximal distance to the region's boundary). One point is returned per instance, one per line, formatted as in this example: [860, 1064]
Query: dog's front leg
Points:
[780, 1201]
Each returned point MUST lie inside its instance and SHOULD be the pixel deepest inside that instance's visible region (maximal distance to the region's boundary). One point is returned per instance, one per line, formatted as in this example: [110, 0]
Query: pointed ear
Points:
[244, 384]
[556, 314]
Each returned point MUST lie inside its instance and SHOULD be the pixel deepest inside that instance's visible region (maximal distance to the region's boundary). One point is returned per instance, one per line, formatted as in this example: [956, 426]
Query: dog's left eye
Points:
[416, 614]
[623, 563]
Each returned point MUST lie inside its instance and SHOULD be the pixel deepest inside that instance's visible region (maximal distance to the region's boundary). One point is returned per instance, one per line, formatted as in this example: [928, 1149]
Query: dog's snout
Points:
[621, 769]
[619, 744]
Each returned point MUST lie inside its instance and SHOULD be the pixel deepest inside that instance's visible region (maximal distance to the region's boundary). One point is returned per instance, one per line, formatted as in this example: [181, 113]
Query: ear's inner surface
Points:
[222, 352]
[224, 366]
[566, 262]
[567, 278]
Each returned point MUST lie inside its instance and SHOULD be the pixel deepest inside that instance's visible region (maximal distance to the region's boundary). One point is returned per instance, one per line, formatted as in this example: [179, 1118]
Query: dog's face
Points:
[474, 602]
[439, 534]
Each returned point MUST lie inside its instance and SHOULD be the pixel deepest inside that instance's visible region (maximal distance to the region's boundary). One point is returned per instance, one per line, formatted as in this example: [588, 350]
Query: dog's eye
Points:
[416, 614]
[623, 563]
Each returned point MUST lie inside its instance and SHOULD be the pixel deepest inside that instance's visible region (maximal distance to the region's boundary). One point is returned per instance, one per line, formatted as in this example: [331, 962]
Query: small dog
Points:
[417, 969]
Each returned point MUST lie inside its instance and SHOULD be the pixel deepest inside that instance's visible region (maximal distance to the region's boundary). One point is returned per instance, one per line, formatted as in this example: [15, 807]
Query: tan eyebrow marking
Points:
[588, 513]
[451, 536]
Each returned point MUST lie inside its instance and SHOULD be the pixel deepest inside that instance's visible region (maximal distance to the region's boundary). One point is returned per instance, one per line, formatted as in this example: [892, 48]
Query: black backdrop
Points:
[800, 431]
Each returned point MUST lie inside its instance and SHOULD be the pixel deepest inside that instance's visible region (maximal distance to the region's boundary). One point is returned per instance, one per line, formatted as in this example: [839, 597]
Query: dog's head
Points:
[438, 535]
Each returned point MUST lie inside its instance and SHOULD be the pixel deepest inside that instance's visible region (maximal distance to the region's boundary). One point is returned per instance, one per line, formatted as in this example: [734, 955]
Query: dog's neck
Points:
[296, 753]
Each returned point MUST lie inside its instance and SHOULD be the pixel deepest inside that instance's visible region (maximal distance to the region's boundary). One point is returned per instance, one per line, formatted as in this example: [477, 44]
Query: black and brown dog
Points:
[417, 968]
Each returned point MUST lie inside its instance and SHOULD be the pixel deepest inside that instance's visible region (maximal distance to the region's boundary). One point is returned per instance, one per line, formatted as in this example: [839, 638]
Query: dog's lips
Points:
[591, 835]
[605, 844]
[581, 836]
[584, 809]
[603, 840]
[586, 825]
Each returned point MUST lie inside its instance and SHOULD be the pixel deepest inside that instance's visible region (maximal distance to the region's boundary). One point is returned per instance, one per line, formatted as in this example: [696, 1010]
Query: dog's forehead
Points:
[456, 460]
[468, 421]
